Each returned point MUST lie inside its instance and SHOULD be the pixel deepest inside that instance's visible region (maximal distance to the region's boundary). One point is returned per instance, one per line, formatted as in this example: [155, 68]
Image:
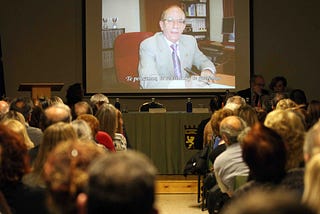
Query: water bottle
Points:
[117, 104]
[189, 105]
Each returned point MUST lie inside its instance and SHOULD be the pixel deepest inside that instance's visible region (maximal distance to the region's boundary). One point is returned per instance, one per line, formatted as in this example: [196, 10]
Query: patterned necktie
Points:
[176, 61]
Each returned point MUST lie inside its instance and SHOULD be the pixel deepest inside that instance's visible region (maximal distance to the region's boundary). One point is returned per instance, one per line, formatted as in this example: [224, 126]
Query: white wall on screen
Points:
[127, 12]
[216, 14]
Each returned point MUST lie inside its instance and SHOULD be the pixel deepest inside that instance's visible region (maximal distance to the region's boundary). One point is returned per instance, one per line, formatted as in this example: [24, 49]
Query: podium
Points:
[40, 89]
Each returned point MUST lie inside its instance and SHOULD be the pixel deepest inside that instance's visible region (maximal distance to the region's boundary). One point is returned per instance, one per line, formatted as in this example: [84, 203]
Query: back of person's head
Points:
[4, 108]
[290, 126]
[311, 144]
[265, 154]
[298, 96]
[248, 114]
[74, 93]
[11, 114]
[98, 100]
[92, 121]
[14, 157]
[284, 104]
[261, 201]
[215, 102]
[65, 173]
[235, 102]
[230, 128]
[52, 136]
[20, 129]
[313, 112]
[82, 130]
[312, 183]
[55, 113]
[217, 117]
[82, 107]
[107, 116]
[23, 105]
[121, 183]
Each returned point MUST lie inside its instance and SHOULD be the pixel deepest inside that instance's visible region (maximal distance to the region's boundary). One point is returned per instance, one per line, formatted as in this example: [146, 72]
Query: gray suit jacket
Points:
[156, 66]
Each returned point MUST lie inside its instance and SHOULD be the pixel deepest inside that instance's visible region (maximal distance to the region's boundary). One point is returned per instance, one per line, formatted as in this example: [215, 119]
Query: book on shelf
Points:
[197, 24]
[107, 59]
[192, 10]
[201, 10]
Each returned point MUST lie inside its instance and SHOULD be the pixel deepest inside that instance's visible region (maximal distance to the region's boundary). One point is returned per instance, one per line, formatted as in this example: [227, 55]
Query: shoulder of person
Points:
[185, 37]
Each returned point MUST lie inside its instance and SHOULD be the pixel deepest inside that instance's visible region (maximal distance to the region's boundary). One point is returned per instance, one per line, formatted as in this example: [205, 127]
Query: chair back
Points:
[126, 57]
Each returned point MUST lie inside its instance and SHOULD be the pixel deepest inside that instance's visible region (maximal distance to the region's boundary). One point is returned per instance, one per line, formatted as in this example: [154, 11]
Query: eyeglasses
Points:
[172, 20]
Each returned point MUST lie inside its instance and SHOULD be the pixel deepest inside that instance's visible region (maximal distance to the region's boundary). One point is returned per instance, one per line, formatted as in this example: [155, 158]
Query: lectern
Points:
[40, 89]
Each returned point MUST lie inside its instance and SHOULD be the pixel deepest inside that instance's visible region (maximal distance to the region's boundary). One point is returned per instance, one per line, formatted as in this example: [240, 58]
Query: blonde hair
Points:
[53, 135]
[312, 183]
[107, 116]
[20, 129]
[284, 104]
[290, 127]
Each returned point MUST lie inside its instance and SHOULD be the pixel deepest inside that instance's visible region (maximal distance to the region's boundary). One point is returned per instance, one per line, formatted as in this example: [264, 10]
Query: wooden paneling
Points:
[151, 12]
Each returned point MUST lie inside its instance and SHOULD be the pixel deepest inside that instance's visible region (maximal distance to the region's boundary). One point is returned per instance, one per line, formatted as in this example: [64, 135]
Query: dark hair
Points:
[74, 94]
[215, 103]
[121, 183]
[23, 105]
[264, 152]
[313, 112]
[298, 96]
[277, 79]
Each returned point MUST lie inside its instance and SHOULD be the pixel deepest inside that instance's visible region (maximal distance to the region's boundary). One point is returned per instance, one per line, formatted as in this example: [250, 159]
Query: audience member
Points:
[215, 104]
[121, 183]
[82, 130]
[165, 55]
[4, 108]
[97, 100]
[254, 95]
[264, 152]
[312, 184]
[52, 136]
[313, 113]
[82, 107]
[248, 114]
[234, 102]
[20, 129]
[74, 95]
[24, 105]
[65, 174]
[219, 145]
[14, 165]
[289, 125]
[229, 163]
[311, 145]
[101, 137]
[274, 99]
[284, 104]
[11, 114]
[55, 113]
[212, 129]
[299, 97]
[291, 128]
[107, 116]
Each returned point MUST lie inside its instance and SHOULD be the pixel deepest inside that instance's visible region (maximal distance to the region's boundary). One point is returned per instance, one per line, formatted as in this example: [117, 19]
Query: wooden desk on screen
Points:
[161, 137]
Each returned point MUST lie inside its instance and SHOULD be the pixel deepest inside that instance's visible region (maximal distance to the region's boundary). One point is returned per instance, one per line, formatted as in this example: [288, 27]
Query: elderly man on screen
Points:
[168, 55]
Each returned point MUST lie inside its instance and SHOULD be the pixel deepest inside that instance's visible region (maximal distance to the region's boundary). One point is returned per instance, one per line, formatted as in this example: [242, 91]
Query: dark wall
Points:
[41, 42]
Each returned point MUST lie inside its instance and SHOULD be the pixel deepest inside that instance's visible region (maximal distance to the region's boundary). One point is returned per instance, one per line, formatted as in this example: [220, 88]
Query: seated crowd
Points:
[76, 158]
